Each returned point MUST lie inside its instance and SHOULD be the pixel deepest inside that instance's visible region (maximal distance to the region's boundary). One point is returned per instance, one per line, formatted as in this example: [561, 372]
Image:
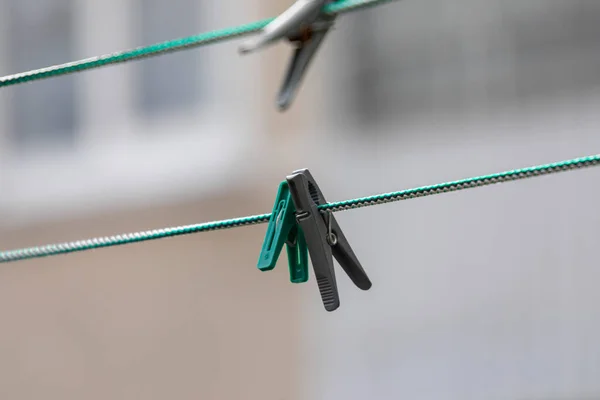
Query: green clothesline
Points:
[202, 39]
[108, 241]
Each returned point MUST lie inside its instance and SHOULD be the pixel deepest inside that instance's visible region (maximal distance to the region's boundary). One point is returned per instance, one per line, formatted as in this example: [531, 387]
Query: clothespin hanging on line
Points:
[298, 222]
[282, 229]
[304, 24]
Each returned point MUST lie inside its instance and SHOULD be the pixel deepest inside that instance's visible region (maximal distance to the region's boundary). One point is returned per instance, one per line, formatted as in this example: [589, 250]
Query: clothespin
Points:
[283, 229]
[324, 238]
[304, 24]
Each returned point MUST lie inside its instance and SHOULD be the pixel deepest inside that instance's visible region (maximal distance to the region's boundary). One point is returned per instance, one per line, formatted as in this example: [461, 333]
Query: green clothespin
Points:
[284, 229]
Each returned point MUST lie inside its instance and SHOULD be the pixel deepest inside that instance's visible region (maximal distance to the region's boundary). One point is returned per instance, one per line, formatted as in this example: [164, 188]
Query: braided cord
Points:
[342, 6]
[454, 186]
[82, 245]
[127, 238]
[129, 55]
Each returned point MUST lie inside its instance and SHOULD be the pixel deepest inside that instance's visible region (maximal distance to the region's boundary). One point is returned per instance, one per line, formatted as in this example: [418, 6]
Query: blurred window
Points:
[41, 33]
[171, 81]
[451, 55]
[557, 47]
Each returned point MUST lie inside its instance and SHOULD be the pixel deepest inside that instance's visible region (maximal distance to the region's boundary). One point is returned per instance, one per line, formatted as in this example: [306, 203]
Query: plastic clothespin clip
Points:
[284, 229]
[324, 238]
[305, 24]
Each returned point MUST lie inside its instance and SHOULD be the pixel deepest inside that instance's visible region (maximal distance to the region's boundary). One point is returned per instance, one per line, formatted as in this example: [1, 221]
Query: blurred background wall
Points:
[488, 293]
[166, 141]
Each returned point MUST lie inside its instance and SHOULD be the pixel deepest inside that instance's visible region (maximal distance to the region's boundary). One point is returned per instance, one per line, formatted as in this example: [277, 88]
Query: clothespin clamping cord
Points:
[297, 221]
[304, 24]
[282, 229]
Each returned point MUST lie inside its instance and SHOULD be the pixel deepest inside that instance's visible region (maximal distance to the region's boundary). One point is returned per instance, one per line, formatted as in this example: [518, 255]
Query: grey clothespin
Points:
[324, 238]
[303, 23]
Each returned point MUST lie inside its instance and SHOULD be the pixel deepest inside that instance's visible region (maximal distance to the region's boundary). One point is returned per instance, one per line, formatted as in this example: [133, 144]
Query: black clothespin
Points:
[324, 238]
[305, 24]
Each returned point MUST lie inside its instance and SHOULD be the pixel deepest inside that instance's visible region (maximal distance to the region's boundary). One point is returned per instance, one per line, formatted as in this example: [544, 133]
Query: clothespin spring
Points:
[331, 236]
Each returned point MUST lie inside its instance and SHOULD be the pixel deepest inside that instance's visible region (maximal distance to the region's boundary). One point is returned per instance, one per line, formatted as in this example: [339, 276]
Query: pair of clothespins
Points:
[297, 222]
[304, 24]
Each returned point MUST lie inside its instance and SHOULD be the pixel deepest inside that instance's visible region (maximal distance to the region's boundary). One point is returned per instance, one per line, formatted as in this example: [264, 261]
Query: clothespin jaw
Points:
[305, 24]
[284, 229]
[324, 239]
[297, 253]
